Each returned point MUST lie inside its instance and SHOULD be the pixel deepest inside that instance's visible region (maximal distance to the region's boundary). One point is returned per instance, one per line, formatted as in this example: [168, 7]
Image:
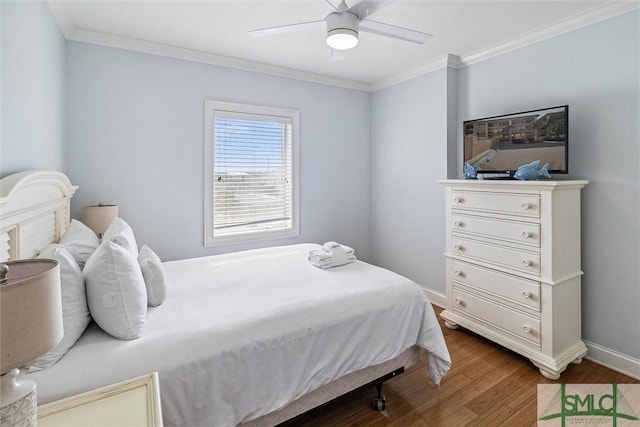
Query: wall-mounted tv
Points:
[499, 144]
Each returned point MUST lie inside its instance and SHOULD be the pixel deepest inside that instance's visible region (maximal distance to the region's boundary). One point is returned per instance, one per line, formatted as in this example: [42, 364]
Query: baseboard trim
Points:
[613, 360]
[436, 298]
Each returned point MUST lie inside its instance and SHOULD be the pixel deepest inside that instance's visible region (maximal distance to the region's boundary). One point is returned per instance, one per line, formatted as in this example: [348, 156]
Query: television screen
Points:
[500, 144]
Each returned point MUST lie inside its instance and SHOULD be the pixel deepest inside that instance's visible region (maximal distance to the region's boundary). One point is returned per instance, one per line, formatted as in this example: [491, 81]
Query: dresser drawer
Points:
[518, 324]
[518, 232]
[512, 288]
[504, 203]
[528, 262]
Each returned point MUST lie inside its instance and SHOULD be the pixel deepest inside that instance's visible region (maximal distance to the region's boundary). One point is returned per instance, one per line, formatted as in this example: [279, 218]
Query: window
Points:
[250, 173]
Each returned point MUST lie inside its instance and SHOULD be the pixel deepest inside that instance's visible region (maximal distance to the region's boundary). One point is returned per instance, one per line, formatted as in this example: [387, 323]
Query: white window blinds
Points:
[252, 173]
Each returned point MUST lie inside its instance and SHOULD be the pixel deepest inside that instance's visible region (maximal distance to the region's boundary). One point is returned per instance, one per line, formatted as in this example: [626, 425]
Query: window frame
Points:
[211, 106]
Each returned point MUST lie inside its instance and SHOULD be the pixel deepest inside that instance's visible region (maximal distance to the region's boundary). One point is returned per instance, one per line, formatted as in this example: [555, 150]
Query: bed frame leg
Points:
[379, 403]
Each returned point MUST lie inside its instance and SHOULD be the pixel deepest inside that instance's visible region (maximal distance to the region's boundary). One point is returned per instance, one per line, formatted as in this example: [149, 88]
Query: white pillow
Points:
[153, 273]
[115, 290]
[80, 241]
[75, 313]
[121, 233]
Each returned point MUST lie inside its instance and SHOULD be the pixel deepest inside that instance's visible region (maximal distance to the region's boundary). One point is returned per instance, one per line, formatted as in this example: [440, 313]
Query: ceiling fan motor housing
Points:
[342, 26]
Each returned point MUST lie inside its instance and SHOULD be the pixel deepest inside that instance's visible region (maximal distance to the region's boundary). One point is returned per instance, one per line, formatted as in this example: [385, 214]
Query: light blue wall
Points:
[32, 88]
[136, 138]
[452, 123]
[408, 155]
[596, 71]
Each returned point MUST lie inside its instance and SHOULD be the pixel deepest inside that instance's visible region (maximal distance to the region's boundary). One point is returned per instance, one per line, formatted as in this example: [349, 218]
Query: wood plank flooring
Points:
[487, 385]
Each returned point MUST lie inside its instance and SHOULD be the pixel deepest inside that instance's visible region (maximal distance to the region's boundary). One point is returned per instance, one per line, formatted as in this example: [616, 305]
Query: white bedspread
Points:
[243, 334]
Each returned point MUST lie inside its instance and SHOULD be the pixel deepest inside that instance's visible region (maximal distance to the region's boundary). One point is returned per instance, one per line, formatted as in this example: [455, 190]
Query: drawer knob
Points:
[458, 273]
[458, 224]
[526, 234]
[458, 200]
[458, 248]
[526, 329]
[525, 206]
[526, 263]
[526, 294]
[459, 301]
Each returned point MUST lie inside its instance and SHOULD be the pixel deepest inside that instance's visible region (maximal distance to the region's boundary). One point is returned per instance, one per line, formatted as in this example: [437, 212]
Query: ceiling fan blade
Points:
[332, 6]
[393, 31]
[367, 7]
[284, 28]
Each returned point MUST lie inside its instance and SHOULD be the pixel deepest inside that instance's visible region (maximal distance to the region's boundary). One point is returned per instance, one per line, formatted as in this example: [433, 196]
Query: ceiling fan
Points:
[344, 25]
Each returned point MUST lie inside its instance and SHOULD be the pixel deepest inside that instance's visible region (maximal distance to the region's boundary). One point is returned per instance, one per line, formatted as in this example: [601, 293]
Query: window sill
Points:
[249, 237]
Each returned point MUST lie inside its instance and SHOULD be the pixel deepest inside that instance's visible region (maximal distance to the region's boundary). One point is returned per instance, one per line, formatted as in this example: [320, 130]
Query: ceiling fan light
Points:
[342, 38]
[342, 30]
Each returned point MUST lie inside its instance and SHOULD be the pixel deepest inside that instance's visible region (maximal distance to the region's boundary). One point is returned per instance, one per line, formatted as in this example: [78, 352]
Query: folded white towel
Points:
[332, 254]
[320, 255]
[330, 245]
[339, 255]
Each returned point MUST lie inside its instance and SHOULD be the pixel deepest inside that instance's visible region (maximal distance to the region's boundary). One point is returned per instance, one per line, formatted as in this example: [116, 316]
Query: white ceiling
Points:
[216, 31]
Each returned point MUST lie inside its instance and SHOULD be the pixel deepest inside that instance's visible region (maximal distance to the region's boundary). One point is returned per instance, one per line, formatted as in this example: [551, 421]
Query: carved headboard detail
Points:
[34, 212]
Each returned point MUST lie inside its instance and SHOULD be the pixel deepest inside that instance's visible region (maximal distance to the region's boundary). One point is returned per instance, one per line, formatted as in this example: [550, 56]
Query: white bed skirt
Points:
[337, 388]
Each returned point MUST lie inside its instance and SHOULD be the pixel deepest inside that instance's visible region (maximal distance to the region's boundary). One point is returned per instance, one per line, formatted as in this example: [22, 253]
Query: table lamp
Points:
[30, 325]
[99, 217]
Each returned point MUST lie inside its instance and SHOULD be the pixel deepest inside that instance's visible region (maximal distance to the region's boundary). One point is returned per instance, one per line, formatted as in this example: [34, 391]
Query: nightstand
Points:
[135, 402]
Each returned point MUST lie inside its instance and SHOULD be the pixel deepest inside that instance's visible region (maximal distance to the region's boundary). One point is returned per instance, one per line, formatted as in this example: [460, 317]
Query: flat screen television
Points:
[498, 145]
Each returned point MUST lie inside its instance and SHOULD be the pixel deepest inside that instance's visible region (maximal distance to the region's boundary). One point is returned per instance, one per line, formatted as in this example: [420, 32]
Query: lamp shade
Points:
[30, 311]
[99, 217]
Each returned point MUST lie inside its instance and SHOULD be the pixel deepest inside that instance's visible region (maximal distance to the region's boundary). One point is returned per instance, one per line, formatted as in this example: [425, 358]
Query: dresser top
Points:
[512, 183]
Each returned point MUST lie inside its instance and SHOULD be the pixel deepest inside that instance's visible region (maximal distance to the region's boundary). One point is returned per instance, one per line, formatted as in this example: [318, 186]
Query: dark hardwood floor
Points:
[486, 386]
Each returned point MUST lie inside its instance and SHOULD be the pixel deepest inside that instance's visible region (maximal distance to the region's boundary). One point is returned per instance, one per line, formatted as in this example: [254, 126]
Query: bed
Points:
[248, 338]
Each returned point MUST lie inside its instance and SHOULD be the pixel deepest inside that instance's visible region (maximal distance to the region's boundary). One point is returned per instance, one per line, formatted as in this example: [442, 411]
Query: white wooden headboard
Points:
[34, 211]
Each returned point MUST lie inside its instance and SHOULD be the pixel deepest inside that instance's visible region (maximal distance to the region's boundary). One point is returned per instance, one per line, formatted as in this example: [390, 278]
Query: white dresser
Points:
[513, 266]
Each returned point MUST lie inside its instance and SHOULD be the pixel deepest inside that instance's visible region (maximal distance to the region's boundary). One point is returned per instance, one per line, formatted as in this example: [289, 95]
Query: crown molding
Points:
[606, 11]
[600, 13]
[112, 40]
[449, 61]
[597, 14]
[62, 17]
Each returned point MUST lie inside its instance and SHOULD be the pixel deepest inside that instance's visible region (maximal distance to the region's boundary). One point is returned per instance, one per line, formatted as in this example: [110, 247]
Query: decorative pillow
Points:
[121, 233]
[80, 241]
[153, 273]
[115, 290]
[75, 313]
